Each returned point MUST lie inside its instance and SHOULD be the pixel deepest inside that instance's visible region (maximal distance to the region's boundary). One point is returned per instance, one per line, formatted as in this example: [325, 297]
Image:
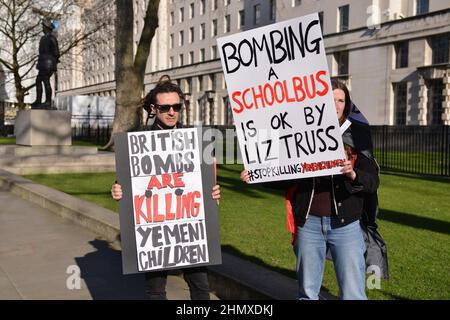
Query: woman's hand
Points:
[244, 176]
[116, 191]
[347, 170]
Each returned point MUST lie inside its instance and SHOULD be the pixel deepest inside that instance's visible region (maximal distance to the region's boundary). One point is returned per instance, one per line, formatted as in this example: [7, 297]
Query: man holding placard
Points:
[174, 225]
[288, 117]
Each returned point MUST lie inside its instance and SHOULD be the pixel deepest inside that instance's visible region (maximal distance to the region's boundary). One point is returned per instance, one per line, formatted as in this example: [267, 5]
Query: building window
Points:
[181, 60]
[214, 5]
[214, 28]
[273, 10]
[202, 7]
[227, 23]
[188, 85]
[400, 100]
[212, 81]
[191, 10]
[228, 113]
[227, 2]
[241, 19]
[321, 21]
[202, 31]
[440, 47]
[171, 62]
[191, 57]
[296, 3]
[435, 100]
[191, 34]
[181, 14]
[401, 55]
[181, 38]
[342, 62]
[422, 6]
[257, 14]
[172, 19]
[214, 52]
[202, 55]
[200, 83]
[344, 13]
[171, 41]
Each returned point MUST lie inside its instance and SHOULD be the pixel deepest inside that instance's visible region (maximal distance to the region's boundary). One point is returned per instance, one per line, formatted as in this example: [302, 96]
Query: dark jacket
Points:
[48, 53]
[347, 196]
[358, 137]
[357, 199]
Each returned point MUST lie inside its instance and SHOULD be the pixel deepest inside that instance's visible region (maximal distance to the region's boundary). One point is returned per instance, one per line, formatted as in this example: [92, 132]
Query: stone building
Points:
[393, 54]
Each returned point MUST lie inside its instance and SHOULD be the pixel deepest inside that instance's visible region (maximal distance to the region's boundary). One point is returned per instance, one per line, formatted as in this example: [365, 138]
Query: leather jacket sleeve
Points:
[367, 179]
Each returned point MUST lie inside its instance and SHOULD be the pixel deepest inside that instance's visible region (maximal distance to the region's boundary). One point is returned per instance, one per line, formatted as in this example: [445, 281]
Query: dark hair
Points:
[164, 85]
[336, 84]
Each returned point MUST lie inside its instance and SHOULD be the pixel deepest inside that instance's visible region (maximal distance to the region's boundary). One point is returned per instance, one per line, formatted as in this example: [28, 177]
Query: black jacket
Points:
[348, 196]
[358, 137]
[48, 53]
[352, 200]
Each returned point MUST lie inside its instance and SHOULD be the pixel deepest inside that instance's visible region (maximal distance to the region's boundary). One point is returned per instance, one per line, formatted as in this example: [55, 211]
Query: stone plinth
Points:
[43, 128]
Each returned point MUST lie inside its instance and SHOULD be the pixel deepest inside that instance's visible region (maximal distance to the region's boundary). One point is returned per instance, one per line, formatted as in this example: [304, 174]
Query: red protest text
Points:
[295, 90]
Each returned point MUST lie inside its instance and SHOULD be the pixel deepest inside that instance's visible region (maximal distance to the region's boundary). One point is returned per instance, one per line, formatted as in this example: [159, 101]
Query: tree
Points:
[130, 68]
[20, 30]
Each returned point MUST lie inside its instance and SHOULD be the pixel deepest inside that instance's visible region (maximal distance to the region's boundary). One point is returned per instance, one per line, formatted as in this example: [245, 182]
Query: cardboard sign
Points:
[281, 97]
[168, 219]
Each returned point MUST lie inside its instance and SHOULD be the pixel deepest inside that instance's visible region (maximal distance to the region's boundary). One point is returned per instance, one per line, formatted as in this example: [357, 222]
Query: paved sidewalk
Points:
[37, 248]
[44, 231]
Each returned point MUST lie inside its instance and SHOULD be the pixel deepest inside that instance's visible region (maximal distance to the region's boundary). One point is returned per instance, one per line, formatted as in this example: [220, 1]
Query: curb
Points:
[234, 279]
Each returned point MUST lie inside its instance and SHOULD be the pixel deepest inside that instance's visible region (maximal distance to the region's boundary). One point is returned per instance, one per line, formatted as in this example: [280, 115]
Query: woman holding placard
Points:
[324, 213]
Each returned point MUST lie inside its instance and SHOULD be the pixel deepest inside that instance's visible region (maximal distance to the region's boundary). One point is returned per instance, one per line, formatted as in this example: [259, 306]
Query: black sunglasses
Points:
[163, 108]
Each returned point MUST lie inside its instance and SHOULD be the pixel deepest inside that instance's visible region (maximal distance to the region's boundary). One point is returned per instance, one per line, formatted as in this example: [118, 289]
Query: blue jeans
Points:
[347, 249]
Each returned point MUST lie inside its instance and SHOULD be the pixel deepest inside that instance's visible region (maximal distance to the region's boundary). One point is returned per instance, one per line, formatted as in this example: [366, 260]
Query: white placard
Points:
[280, 94]
[167, 195]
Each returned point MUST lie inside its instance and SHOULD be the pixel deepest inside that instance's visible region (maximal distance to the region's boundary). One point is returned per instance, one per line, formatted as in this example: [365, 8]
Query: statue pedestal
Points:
[43, 128]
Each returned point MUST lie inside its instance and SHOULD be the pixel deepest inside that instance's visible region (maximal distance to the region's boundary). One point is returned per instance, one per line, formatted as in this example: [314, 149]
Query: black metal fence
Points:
[93, 133]
[421, 150]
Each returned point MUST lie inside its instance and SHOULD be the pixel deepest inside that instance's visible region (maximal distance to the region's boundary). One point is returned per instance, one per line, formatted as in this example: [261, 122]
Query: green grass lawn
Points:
[5, 140]
[414, 221]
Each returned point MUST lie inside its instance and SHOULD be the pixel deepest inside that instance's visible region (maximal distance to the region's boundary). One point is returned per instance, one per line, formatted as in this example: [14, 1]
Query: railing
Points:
[92, 128]
[93, 133]
[421, 150]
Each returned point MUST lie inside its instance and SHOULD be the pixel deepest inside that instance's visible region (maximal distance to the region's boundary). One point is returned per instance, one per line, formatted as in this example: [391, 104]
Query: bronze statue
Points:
[47, 61]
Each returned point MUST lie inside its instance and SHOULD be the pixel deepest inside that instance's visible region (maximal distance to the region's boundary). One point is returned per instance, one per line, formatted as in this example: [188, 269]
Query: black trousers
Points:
[196, 278]
[43, 77]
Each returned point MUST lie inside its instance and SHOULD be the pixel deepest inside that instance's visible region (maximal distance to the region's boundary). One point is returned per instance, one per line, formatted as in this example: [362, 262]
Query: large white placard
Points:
[281, 97]
[167, 195]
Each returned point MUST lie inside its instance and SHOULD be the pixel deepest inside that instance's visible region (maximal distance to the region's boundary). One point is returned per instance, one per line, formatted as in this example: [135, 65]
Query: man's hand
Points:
[116, 191]
[216, 193]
